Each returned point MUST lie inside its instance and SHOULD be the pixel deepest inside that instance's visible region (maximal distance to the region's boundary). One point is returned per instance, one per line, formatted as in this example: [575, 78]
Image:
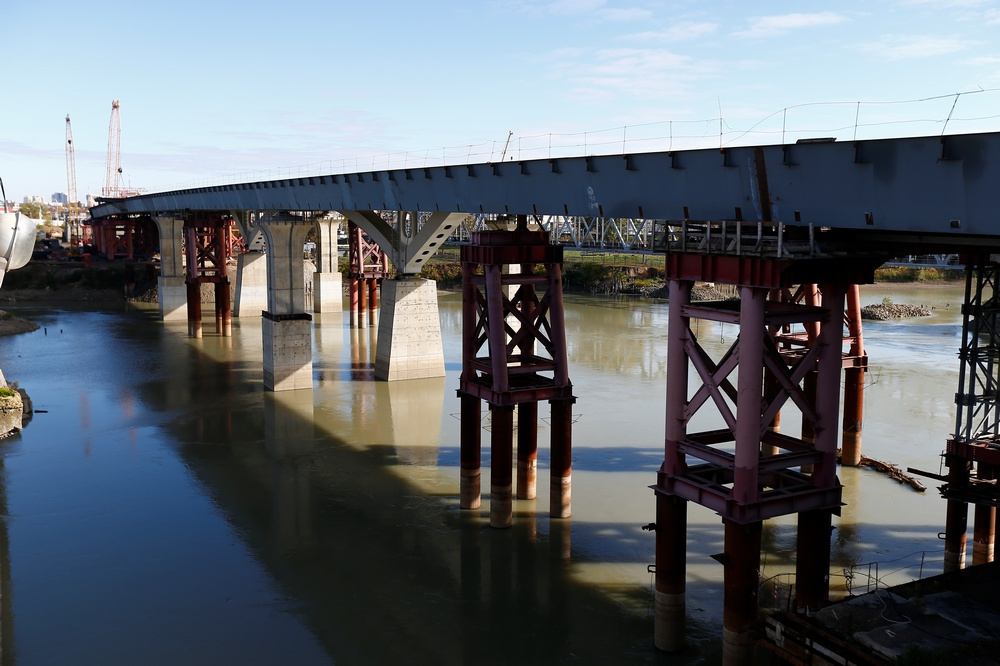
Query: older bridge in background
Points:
[796, 228]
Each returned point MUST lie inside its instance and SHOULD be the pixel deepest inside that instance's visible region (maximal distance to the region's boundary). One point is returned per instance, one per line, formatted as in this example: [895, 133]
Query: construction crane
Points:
[71, 214]
[111, 188]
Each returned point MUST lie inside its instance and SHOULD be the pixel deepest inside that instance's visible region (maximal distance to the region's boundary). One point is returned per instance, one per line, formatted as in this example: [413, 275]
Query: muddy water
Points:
[163, 508]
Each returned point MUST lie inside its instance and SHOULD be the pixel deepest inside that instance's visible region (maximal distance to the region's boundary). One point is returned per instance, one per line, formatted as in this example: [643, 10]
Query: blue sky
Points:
[215, 91]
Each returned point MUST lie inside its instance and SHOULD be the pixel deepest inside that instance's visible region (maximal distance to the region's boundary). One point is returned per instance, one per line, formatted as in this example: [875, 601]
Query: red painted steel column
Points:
[527, 449]
[812, 562]
[501, 466]
[671, 573]
[194, 309]
[353, 283]
[854, 384]
[223, 309]
[362, 299]
[372, 299]
[671, 512]
[828, 373]
[984, 523]
[678, 337]
[560, 481]
[748, 401]
[470, 446]
[739, 612]
[957, 517]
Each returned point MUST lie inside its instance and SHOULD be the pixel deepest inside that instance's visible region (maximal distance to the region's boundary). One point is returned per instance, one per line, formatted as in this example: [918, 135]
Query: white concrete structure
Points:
[171, 288]
[286, 329]
[328, 287]
[409, 331]
[251, 284]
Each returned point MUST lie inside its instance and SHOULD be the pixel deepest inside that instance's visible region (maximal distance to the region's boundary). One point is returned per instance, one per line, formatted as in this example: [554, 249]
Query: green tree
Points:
[35, 211]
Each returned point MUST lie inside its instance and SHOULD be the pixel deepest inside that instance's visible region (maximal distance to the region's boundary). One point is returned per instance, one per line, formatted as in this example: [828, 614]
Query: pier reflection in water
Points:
[166, 509]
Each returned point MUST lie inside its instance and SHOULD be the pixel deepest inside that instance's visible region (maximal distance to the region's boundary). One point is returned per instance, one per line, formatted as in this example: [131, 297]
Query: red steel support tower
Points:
[524, 340]
[723, 469]
[368, 265]
[207, 244]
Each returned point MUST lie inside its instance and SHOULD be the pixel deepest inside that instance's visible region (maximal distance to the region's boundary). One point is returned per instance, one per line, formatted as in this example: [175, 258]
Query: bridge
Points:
[796, 228]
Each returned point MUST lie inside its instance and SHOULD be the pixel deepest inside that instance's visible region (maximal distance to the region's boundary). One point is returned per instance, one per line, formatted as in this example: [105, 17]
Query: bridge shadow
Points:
[375, 556]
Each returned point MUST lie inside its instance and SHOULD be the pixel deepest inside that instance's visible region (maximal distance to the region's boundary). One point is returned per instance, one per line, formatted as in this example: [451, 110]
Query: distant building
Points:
[60, 198]
[34, 198]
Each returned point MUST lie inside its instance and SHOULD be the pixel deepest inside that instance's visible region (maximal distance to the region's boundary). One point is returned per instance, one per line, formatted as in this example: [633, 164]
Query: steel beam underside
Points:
[942, 186]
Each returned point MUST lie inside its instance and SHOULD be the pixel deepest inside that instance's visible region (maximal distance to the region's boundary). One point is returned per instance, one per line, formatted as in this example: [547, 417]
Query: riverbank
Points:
[11, 325]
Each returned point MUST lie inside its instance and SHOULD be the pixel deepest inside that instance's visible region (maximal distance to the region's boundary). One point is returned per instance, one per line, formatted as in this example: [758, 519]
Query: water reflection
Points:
[324, 527]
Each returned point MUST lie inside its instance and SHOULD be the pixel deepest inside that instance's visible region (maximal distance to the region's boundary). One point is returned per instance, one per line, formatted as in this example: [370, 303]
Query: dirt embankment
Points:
[9, 324]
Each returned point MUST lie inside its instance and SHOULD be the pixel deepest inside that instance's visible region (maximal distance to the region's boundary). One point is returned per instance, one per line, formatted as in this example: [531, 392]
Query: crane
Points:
[111, 188]
[70, 182]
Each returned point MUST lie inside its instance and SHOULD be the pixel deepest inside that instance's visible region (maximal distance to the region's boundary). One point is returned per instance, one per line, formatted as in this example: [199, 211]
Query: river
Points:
[161, 508]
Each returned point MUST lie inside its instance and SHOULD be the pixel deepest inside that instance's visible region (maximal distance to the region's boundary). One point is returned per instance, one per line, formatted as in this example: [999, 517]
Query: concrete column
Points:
[328, 288]
[286, 328]
[171, 290]
[251, 284]
[409, 331]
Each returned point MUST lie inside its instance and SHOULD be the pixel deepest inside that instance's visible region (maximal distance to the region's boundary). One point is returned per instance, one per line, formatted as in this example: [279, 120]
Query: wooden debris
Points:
[892, 472]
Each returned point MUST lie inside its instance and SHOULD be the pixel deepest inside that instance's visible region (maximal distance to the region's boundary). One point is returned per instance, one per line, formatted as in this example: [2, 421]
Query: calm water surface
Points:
[164, 509]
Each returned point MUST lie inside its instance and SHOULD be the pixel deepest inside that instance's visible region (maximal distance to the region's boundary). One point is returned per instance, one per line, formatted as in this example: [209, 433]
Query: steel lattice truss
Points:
[978, 414]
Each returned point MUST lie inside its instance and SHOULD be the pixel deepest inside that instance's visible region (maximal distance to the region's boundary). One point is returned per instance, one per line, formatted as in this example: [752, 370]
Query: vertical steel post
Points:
[748, 402]
[501, 466]
[527, 449]
[854, 384]
[470, 452]
[984, 521]
[194, 309]
[678, 336]
[671, 573]
[560, 497]
[957, 517]
[739, 605]
[223, 309]
[671, 512]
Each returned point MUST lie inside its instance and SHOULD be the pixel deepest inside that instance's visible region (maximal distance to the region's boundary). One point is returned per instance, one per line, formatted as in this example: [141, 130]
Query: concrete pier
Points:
[409, 331]
[251, 284]
[171, 288]
[286, 328]
[328, 288]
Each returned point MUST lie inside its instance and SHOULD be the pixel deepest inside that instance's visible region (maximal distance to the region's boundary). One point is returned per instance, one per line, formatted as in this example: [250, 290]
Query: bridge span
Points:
[796, 228]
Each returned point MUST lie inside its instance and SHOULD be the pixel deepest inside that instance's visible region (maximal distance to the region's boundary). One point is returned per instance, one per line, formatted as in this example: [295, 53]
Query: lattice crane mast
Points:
[111, 188]
[71, 213]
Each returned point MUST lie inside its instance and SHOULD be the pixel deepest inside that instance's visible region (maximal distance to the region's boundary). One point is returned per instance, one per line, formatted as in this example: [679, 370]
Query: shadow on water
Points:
[381, 565]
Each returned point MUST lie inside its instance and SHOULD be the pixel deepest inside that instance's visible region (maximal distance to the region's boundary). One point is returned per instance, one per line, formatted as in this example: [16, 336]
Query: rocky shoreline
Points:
[887, 311]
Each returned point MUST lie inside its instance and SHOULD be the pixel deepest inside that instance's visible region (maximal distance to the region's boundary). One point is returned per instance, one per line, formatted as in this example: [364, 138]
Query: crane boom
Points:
[70, 181]
[114, 152]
